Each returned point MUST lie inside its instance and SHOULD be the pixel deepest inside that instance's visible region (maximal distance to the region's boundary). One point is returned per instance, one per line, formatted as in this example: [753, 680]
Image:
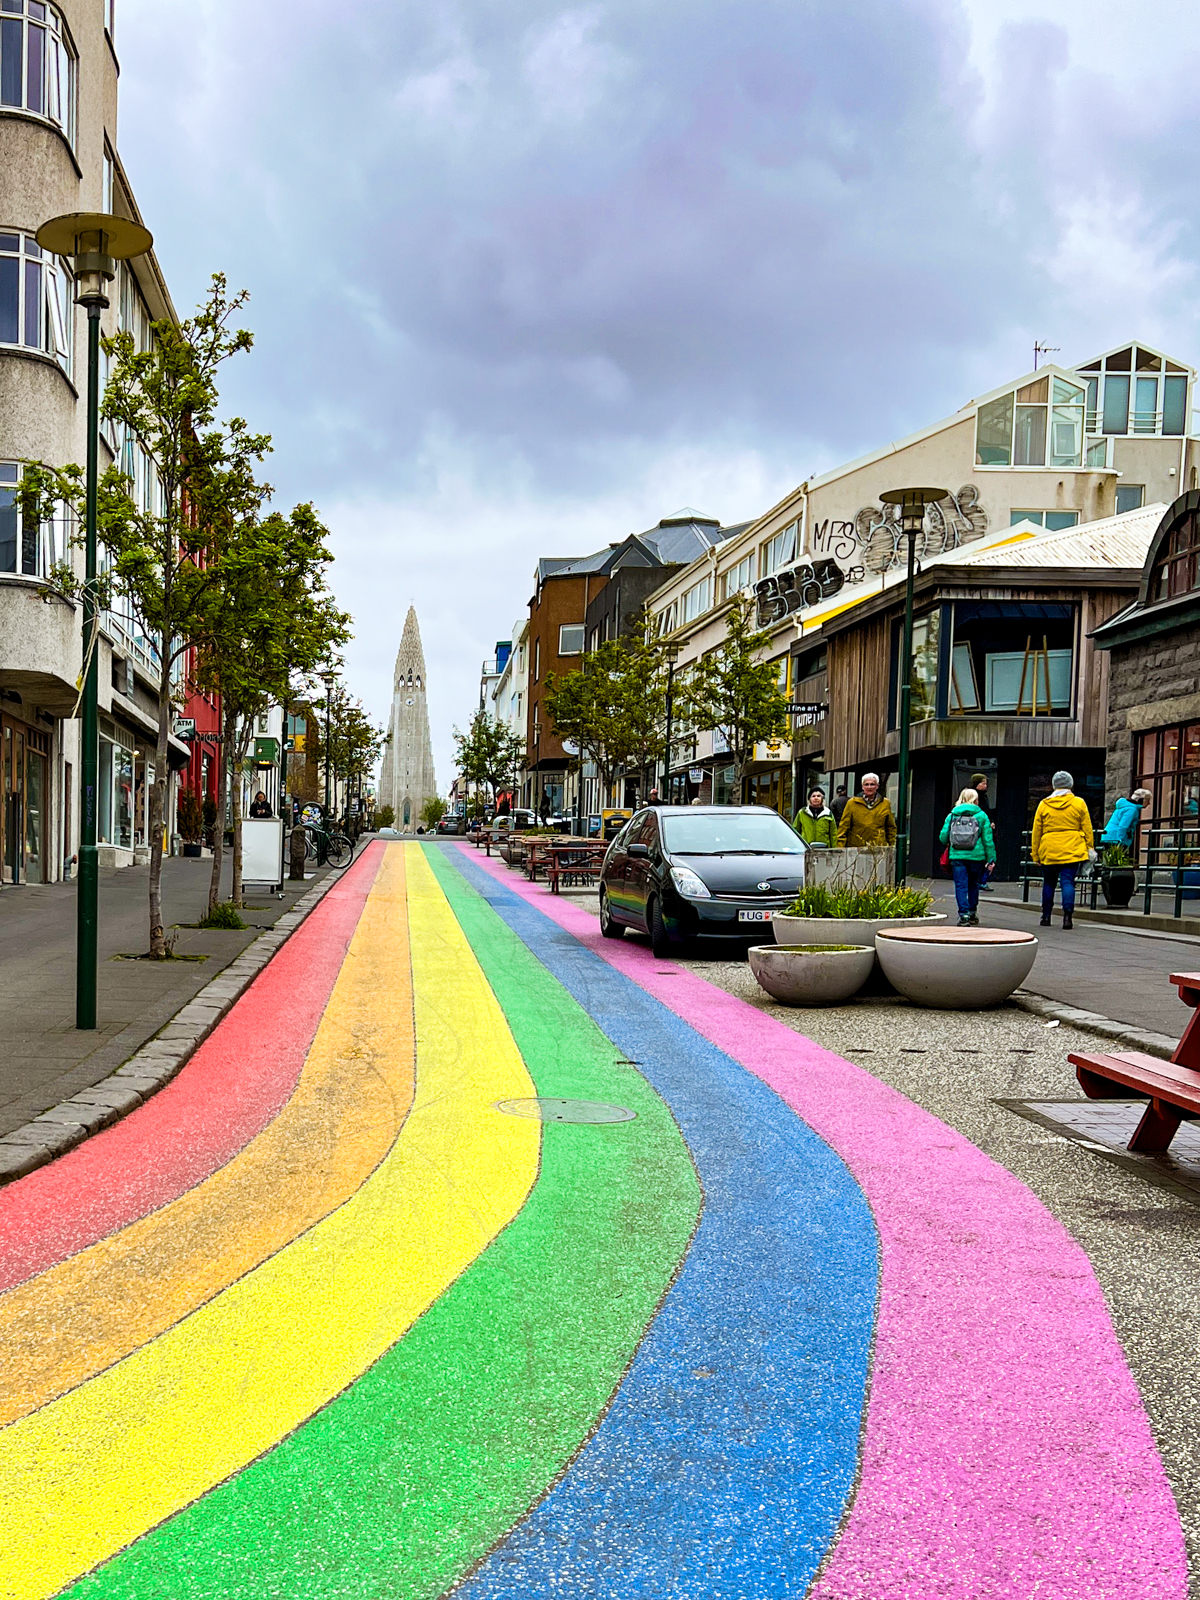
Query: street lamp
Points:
[671, 651]
[328, 679]
[95, 242]
[912, 503]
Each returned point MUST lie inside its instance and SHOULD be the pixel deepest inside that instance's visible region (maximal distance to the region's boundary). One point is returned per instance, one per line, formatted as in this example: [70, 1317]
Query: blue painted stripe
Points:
[726, 1460]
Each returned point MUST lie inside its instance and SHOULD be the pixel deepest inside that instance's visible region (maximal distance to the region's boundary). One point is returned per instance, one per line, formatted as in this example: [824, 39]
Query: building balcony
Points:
[41, 656]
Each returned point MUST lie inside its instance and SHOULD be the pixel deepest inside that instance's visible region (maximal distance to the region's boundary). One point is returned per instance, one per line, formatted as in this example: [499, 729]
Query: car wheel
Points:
[660, 940]
[609, 928]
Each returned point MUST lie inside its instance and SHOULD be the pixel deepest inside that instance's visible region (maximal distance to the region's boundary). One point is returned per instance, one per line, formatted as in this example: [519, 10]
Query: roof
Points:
[675, 541]
[1112, 542]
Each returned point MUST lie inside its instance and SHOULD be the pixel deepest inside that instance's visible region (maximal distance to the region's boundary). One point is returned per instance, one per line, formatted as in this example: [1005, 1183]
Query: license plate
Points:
[754, 916]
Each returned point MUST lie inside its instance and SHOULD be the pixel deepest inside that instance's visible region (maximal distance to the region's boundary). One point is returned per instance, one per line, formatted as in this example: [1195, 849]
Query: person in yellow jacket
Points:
[867, 821]
[1062, 842]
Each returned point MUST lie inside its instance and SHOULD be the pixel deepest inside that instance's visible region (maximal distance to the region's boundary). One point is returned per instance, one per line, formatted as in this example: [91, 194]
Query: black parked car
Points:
[449, 824]
[688, 872]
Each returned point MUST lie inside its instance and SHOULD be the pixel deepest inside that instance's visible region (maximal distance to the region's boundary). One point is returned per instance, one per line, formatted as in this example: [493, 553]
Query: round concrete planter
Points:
[955, 969]
[841, 930]
[817, 977]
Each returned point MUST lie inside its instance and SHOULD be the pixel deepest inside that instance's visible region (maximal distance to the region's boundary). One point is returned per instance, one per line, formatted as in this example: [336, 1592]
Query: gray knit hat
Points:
[1062, 780]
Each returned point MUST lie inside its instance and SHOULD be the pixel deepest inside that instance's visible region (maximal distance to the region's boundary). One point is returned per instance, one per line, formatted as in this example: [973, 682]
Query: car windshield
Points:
[740, 832]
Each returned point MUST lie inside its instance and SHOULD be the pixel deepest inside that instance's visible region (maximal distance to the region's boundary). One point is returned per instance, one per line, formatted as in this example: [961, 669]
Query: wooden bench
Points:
[578, 863]
[1172, 1087]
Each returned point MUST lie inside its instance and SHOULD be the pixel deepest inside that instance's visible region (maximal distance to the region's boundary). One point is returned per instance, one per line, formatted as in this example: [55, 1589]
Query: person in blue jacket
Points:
[1121, 828]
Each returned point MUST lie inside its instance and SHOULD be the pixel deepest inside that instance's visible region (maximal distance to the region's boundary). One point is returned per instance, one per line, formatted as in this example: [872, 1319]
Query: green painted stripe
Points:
[404, 1481]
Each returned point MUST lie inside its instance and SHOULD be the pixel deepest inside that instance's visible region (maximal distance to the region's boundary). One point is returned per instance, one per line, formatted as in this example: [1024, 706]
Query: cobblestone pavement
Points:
[523, 1264]
[45, 1058]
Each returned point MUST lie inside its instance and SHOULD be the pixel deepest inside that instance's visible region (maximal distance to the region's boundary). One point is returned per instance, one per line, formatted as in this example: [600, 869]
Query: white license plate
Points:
[754, 916]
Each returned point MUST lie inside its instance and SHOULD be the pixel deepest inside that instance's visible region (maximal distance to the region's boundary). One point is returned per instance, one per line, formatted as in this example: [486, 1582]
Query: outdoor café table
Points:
[581, 859]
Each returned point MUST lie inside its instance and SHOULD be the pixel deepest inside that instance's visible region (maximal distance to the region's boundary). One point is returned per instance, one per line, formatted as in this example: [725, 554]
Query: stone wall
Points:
[1152, 683]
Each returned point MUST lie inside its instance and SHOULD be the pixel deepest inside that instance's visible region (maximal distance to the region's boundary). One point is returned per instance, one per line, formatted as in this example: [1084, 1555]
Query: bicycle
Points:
[328, 847]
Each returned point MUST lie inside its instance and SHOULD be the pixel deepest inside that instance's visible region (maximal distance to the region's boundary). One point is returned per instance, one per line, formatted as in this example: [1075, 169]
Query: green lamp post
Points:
[912, 503]
[95, 242]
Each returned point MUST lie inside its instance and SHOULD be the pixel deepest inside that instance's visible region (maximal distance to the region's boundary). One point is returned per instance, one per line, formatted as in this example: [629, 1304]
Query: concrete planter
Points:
[811, 977]
[955, 969]
[841, 930]
[192, 850]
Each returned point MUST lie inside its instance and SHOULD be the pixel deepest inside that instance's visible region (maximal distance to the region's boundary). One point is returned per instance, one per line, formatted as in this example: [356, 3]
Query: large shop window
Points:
[29, 550]
[35, 299]
[37, 65]
[1011, 658]
[1167, 762]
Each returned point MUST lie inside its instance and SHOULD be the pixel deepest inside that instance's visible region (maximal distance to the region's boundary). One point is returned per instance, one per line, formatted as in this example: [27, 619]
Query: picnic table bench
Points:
[1173, 1087]
[578, 862]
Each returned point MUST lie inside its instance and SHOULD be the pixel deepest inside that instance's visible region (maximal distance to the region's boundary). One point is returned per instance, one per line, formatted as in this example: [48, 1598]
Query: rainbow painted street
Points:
[341, 1313]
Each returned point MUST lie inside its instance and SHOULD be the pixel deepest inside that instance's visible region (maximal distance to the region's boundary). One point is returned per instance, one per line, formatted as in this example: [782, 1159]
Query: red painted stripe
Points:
[234, 1085]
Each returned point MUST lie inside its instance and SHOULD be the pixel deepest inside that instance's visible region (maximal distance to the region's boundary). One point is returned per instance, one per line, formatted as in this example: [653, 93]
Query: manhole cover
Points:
[544, 1109]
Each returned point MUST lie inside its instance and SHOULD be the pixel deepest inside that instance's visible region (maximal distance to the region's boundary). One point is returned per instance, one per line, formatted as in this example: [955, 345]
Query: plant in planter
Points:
[191, 822]
[826, 915]
[811, 974]
[1117, 877]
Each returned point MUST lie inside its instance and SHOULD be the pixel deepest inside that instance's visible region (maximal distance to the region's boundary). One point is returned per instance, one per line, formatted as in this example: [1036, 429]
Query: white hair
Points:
[868, 775]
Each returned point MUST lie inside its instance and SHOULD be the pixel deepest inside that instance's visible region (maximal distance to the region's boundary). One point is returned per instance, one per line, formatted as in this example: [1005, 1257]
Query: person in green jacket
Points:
[967, 832]
[815, 822]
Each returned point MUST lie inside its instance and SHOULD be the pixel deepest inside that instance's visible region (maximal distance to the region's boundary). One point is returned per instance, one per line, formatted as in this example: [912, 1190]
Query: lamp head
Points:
[912, 503]
[95, 241]
[671, 650]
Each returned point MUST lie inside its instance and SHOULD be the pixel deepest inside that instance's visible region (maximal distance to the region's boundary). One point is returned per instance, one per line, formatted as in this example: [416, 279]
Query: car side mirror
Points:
[639, 850]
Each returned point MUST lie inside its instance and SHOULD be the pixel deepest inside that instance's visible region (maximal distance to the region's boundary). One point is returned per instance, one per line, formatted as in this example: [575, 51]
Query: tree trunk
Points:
[239, 764]
[227, 725]
[299, 847]
[158, 807]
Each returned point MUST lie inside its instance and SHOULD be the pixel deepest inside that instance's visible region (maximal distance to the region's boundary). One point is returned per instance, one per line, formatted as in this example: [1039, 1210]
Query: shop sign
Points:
[184, 728]
[695, 774]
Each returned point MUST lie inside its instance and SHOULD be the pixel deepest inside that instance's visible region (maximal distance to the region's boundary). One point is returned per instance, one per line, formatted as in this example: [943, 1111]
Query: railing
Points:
[1170, 865]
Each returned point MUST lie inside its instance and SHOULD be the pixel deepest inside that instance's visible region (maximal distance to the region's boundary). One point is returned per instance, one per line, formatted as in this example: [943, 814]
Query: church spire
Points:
[406, 778]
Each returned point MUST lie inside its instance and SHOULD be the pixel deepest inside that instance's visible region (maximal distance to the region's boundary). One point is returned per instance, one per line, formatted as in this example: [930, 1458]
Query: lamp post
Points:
[912, 503]
[328, 679]
[95, 242]
[671, 651]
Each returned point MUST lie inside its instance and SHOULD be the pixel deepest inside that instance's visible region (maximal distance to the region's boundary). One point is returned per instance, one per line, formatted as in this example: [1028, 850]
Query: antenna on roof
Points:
[1043, 350]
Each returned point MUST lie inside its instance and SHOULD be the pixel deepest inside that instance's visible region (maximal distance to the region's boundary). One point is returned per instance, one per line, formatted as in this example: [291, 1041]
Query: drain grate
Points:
[545, 1109]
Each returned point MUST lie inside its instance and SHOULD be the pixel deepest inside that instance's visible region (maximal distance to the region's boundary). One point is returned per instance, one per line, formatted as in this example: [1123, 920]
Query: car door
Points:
[640, 874]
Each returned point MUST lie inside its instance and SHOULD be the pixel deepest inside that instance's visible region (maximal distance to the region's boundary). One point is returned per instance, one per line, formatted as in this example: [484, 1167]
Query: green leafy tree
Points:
[433, 811]
[163, 404]
[734, 693]
[489, 752]
[354, 740]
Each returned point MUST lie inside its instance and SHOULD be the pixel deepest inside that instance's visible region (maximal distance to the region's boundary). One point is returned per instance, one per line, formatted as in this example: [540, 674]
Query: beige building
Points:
[1049, 450]
[58, 153]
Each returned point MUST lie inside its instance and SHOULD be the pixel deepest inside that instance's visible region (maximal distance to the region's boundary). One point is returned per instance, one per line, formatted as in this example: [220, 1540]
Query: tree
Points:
[489, 752]
[734, 693]
[163, 403]
[433, 811]
[354, 740]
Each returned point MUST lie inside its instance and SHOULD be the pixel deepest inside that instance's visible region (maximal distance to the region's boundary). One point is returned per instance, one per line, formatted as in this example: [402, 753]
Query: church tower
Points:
[406, 778]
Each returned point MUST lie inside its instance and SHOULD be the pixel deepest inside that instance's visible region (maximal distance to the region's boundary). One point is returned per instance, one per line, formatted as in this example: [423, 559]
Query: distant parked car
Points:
[696, 872]
[448, 824]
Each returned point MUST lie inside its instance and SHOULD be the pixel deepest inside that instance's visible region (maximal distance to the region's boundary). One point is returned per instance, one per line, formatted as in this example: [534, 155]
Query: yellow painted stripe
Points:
[356, 1087]
[86, 1474]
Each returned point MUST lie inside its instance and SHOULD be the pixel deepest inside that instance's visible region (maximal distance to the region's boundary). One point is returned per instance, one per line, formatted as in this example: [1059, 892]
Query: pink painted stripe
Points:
[235, 1084]
[1007, 1451]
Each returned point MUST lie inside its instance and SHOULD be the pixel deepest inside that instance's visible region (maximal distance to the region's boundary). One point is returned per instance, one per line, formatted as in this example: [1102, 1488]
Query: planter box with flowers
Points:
[820, 915]
[1117, 877]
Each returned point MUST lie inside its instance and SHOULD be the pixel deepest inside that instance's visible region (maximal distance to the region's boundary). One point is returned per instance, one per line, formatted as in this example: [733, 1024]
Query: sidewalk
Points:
[45, 1059]
[1120, 972]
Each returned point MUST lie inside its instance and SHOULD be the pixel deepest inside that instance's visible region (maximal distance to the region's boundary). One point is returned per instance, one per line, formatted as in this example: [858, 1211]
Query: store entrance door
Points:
[14, 809]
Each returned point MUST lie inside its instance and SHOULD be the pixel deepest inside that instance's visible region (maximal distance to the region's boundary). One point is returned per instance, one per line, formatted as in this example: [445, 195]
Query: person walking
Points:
[1121, 828]
[967, 834]
[839, 802]
[867, 822]
[979, 782]
[814, 822]
[1062, 842]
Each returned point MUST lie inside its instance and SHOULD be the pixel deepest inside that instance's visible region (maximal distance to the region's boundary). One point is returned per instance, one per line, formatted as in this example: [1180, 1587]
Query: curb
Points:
[1154, 926]
[1154, 1044]
[153, 1066]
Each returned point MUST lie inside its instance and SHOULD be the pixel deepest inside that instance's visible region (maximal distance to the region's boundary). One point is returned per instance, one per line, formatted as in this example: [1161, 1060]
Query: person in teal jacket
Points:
[1121, 828]
[967, 832]
[815, 823]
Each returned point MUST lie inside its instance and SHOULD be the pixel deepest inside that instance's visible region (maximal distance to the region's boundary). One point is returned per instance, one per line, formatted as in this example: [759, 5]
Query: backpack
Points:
[964, 831]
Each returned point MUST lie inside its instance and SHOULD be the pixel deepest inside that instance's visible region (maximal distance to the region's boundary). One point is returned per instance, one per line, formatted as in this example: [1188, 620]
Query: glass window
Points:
[570, 639]
[37, 69]
[1121, 361]
[1174, 417]
[993, 433]
[1130, 497]
[1012, 658]
[1027, 516]
[777, 552]
[696, 600]
[1066, 426]
[1177, 570]
[1116, 404]
[1058, 520]
[923, 683]
[35, 299]
[1145, 405]
[735, 833]
[738, 577]
[1097, 450]
[1029, 437]
[104, 809]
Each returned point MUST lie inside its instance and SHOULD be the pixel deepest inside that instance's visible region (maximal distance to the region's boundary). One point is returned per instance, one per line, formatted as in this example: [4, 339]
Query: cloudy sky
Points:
[527, 276]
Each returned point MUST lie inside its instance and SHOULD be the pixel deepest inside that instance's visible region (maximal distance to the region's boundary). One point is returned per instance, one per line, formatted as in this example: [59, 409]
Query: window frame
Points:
[34, 554]
[57, 48]
[774, 554]
[55, 308]
[573, 628]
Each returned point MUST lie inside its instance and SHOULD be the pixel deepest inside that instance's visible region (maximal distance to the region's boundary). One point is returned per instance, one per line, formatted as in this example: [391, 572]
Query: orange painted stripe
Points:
[354, 1092]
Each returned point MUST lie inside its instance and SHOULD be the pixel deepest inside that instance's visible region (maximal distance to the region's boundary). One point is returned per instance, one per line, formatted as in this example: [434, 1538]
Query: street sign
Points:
[184, 728]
